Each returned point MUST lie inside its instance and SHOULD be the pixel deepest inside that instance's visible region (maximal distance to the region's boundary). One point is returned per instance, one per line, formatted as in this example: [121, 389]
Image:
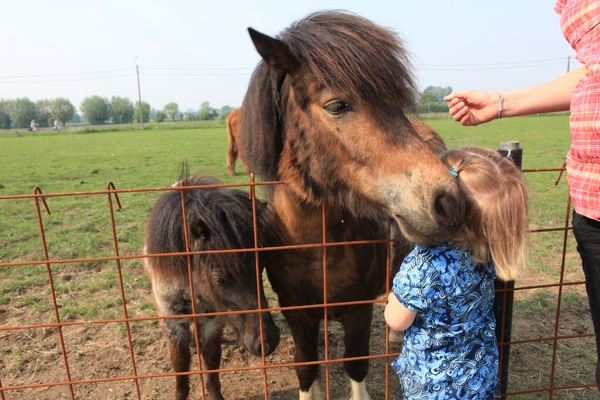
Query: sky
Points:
[190, 52]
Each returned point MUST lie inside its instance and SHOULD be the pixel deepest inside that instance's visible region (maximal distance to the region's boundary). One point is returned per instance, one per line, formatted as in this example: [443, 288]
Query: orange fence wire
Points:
[10, 328]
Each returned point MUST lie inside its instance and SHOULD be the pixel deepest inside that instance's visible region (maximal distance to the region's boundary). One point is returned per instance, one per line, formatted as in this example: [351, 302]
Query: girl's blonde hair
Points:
[496, 208]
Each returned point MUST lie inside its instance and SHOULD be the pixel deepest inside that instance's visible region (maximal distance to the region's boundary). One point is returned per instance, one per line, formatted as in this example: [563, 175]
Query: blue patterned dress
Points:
[450, 350]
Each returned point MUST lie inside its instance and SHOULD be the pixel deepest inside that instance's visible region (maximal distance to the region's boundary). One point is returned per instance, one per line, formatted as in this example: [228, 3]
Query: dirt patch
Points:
[33, 357]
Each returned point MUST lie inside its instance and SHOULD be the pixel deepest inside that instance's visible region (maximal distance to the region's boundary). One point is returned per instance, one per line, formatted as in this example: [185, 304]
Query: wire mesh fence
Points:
[77, 319]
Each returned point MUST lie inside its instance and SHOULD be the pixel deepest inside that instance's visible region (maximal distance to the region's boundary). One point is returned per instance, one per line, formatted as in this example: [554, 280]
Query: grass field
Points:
[80, 162]
[79, 228]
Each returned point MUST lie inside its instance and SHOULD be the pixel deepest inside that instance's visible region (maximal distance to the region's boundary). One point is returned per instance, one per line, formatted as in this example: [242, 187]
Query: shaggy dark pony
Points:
[217, 219]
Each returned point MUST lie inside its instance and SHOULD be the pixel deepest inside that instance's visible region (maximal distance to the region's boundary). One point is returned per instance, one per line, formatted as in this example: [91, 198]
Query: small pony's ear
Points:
[199, 230]
[273, 51]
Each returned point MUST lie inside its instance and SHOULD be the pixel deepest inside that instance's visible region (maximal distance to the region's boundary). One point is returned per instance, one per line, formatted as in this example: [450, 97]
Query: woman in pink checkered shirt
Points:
[579, 92]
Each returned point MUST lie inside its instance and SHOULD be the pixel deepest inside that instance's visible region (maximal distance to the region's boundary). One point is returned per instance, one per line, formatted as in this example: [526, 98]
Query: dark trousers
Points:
[587, 234]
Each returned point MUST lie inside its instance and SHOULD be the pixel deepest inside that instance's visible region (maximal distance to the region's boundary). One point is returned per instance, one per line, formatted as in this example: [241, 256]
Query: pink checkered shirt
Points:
[579, 21]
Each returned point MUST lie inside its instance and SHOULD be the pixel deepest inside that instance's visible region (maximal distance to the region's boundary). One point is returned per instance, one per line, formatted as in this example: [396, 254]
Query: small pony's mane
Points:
[226, 213]
[341, 51]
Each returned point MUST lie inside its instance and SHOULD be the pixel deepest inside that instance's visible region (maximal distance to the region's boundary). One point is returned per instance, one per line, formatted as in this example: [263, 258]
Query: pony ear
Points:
[273, 51]
[199, 230]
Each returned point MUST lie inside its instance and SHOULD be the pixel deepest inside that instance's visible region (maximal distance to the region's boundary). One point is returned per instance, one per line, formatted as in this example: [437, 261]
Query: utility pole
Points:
[568, 64]
[137, 70]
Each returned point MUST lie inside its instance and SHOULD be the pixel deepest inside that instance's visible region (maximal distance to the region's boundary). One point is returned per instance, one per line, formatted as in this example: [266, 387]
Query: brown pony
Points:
[427, 133]
[217, 219]
[233, 132]
[324, 113]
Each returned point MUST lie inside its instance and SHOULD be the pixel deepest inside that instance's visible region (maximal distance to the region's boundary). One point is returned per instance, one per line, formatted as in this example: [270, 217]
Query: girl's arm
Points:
[396, 315]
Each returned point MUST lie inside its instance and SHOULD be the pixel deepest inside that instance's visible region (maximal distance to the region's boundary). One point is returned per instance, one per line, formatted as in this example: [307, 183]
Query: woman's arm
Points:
[472, 107]
[396, 315]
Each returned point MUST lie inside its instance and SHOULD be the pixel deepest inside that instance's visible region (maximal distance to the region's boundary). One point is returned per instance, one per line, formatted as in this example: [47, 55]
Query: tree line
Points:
[432, 99]
[96, 110]
[18, 113]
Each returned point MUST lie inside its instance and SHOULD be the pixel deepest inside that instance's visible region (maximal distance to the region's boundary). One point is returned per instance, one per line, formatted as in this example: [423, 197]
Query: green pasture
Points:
[78, 227]
[78, 232]
[83, 162]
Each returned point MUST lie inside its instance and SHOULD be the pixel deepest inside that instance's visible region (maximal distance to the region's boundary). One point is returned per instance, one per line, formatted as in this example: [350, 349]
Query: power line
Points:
[242, 73]
[494, 64]
[69, 74]
[198, 69]
[75, 76]
[493, 68]
[69, 80]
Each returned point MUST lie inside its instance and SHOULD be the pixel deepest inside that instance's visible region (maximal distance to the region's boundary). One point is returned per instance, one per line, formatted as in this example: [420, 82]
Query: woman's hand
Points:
[473, 107]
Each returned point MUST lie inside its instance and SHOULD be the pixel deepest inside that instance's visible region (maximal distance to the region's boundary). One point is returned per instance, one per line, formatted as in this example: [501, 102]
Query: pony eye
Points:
[220, 281]
[336, 107]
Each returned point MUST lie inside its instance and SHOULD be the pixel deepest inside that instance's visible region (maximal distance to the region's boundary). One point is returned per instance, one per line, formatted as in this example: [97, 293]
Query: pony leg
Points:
[177, 333]
[315, 392]
[246, 168]
[231, 151]
[231, 162]
[359, 391]
[357, 333]
[211, 354]
[305, 331]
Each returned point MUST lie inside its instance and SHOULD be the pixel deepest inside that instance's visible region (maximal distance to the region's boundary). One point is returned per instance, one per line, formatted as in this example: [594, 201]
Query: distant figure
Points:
[57, 124]
[33, 126]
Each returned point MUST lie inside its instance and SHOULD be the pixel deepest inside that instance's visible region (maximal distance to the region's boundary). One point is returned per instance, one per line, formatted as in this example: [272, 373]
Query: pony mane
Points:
[347, 52]
[226, 212]
[341, 51]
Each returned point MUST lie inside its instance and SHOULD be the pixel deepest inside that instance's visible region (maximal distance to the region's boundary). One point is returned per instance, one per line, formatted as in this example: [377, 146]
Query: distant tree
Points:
[225, 110]
[190, 115]
[5, 121]
[172, 109]
[21, 112]
[95, 109]
[436, 93]
[121, 109]
[76, 119]
[432, 99]
[206, 112]
[63, 110]
[43, 112]
[145, 111]
[161, 116]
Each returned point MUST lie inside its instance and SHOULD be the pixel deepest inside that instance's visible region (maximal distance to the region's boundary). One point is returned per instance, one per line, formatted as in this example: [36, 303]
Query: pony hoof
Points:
[315, 392]
[359, 391]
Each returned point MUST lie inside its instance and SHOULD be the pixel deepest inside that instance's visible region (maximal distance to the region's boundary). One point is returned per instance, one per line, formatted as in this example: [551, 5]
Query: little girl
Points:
[442, 297]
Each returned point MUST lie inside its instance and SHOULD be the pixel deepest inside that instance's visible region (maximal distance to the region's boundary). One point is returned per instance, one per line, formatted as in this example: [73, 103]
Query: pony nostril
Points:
[439, 207]
[449, 210]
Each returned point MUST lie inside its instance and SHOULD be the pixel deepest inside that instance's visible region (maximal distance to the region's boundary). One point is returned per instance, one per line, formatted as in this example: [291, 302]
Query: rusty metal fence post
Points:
[504, 299]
